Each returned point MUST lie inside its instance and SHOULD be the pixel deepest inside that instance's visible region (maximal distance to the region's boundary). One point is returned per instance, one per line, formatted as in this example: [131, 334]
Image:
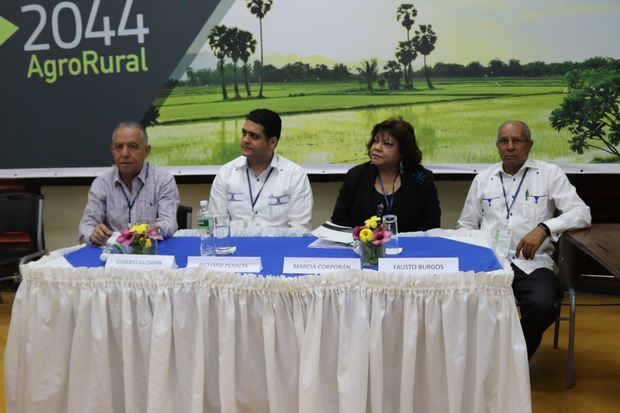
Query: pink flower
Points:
[153, 234]
[126, 237]
[381, 237]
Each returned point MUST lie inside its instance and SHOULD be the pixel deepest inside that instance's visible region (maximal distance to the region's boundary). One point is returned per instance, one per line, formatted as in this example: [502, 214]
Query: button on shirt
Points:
[156, 203]
[545, 188]
[285, 199]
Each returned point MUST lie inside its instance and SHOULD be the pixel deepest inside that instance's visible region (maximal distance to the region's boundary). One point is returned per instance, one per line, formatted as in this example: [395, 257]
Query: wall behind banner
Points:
[333, 69]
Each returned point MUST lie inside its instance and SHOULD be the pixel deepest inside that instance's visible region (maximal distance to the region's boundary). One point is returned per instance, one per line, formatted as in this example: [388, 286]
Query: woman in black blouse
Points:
[393, 182]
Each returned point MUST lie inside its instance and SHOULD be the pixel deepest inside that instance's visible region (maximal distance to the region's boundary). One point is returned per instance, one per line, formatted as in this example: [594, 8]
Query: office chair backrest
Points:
[184, 217]
[21, 213]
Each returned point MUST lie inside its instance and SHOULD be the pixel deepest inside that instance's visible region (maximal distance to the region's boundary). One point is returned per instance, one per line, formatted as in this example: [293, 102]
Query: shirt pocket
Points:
[237, 200]
[538, 206]
[278, 204]
[492, 204]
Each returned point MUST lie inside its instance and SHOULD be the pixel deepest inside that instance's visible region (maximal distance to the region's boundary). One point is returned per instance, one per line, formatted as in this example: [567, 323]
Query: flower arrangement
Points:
[139, 239]
[370, 240]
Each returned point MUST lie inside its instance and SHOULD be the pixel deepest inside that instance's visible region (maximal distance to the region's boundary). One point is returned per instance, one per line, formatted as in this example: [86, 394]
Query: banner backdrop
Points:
[191, 70]
[71, 70]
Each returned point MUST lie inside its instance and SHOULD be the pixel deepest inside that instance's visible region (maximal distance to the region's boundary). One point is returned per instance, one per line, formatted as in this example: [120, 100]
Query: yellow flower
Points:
[372, 222]
[140, 229]
[366, 235]
[148, 243]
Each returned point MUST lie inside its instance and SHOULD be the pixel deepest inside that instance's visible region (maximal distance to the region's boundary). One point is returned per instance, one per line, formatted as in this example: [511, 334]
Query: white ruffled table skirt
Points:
[95, 340]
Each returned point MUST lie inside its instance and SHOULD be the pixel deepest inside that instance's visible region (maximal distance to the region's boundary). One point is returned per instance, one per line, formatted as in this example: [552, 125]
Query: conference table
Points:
[84, 338]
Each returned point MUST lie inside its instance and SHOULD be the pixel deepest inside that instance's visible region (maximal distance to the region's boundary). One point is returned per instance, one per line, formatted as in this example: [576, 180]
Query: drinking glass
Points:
[223, 242]
[390, 223]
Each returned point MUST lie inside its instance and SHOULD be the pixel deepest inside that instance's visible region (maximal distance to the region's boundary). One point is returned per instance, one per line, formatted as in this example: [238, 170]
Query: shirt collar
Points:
[141, 176]
[529, 163]
[242, 162]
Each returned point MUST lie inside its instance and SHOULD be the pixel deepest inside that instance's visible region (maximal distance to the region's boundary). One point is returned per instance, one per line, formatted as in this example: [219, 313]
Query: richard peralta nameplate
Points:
[420, 266]
[304, 265]
[227, 264]
[141, 262]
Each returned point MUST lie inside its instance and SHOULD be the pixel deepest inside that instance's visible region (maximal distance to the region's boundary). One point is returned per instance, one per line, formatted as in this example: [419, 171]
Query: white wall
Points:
[63, 206]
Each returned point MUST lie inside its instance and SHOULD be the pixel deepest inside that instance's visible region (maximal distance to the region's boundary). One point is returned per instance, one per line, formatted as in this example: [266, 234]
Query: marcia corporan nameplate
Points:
[227, 264]
[420, 266]
[141, 262]
[305, 265]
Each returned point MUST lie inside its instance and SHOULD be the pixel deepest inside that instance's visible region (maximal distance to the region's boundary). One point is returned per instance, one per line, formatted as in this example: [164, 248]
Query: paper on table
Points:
[327, 244]
[334, 233]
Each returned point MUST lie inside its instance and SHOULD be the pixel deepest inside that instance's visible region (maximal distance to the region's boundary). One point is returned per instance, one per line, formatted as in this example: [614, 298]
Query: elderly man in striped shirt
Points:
[133, 191]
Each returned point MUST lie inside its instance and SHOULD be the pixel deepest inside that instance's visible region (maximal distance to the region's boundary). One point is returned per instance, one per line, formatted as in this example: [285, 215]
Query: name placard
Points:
[142, 262]
[305, 265]
[227, 264]
[420, 266]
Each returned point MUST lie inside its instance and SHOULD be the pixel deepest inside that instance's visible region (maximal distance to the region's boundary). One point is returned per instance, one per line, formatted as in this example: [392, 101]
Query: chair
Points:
[184, 217]
[565, 266]
[21, 230]
[564, 262]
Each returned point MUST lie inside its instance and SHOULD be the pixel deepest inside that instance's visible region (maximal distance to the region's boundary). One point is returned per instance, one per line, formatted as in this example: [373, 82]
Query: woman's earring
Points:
[401, 169]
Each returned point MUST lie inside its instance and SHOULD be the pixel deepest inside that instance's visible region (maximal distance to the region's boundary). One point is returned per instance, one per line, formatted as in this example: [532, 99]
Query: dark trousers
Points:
[537, 295]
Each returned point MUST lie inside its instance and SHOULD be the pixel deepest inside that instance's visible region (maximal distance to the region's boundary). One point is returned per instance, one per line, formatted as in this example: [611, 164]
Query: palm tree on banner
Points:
[218, 43]
[424, 43]
[234, 47]
[259, 8]
[393, 74]
[249, 47]
[405, 54]
[369, 72]
[406, 14]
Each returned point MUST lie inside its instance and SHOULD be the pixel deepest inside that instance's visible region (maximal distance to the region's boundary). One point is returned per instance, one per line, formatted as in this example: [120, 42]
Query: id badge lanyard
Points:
[252, 199]
[130, 203]
[514, 198]
[389, 199]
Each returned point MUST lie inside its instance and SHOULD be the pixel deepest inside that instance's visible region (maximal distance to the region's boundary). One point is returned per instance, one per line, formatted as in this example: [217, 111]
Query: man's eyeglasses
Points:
[515, 142]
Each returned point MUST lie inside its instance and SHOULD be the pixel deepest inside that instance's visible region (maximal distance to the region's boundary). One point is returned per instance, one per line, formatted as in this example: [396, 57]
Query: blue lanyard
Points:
[508, 208]
[252, 199]
[131, 203]
[389, 199]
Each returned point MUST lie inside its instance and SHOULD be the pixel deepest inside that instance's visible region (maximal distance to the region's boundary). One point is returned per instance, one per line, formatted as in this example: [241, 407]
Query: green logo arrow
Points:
[6, 29]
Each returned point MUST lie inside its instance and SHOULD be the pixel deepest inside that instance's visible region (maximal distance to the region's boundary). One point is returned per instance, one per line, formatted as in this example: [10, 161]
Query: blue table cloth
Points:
[272, 251]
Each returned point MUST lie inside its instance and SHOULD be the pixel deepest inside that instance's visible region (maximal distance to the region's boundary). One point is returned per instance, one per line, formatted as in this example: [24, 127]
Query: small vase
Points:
[141, 249]
[370, 254]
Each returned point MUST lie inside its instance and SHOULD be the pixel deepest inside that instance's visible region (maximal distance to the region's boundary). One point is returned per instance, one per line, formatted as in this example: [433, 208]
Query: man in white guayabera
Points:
[517, 200]
[132, 191]
[261, 188]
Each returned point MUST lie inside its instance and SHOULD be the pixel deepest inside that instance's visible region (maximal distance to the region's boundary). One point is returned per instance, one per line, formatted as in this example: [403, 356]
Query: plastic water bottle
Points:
[205, 227]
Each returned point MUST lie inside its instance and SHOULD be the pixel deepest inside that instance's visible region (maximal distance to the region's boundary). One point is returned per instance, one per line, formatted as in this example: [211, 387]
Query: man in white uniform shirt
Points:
[518, 199]
[261, 188]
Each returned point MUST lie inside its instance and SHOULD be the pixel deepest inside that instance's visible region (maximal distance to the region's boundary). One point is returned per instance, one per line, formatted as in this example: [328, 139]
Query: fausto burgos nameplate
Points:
[305, 265]
[227, 264]
[420, 266]
[140, 262]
